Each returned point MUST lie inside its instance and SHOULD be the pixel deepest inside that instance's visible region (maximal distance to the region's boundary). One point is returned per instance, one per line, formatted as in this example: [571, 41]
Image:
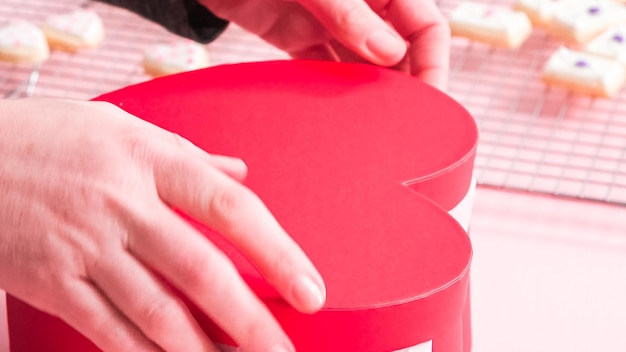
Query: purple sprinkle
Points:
[594, 10]
[618, 38]
[581, 63]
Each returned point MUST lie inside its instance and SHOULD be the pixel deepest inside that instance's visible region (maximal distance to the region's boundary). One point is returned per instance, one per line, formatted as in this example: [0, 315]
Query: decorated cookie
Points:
[584, 73]
[610, 44]
[23, 42]
[175, 57]
[540, 12]
[581, 20]
[73, 31]
[498, 26]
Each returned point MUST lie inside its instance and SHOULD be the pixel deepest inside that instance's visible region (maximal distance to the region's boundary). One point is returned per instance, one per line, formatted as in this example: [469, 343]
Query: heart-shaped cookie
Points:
[79, 29]
[178, 56]
[359, 164]
[23, 42]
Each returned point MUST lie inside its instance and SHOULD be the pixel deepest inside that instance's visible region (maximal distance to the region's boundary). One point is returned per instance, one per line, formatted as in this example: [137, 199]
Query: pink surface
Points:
[548, 274]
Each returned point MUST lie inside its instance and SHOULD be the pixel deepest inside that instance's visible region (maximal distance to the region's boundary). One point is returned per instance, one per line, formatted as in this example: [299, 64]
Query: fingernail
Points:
[386, 46]
[308, 294]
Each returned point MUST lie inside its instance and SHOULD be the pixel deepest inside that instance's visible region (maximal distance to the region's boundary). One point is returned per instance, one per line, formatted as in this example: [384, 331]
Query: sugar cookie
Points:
[23, 42]
[584, 73]
[581, 20]
[175, 57]
[610, 44]
[73, 31]
[540, 12]
[498, 26]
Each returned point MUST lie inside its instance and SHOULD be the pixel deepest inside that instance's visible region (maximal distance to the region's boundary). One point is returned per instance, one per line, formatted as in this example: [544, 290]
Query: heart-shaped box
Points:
[360, 165]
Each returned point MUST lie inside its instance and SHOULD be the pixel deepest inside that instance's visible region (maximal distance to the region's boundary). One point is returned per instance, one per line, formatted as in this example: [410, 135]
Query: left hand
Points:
[410, 35]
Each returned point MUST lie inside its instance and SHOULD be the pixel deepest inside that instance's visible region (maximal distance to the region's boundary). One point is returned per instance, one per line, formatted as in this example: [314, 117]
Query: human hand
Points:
[411, 35]
[87, 232]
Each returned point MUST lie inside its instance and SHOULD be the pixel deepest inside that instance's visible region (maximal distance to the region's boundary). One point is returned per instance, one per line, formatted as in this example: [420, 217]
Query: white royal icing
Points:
[610, 44]
[544, 9]
[492, 21]
[491, 18]
[184, 54]
[83, 24]
[585, 69]
[589, 16]
[22, 34]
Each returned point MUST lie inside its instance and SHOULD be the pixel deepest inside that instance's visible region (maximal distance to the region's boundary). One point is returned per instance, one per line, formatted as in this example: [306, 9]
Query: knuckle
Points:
[257, 330]
[195, 277]
[349, 14]
[227, 200]
[209, 277]
[284, 264]
[110, 337]
[137, 145]
[156, 313]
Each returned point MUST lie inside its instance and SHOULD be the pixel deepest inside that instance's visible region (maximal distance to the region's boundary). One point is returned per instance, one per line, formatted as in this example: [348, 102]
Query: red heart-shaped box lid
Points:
[359, 164]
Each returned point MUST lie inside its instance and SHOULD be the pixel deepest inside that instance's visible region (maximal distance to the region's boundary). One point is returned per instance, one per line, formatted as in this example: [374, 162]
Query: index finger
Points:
[230, 208]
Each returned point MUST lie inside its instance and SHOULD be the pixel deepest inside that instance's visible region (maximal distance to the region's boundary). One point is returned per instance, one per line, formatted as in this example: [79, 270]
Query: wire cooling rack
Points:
[533, 138]
[113, 65]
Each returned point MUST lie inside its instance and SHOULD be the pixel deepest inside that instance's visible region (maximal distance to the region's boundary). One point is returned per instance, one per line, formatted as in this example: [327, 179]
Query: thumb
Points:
[359, 28]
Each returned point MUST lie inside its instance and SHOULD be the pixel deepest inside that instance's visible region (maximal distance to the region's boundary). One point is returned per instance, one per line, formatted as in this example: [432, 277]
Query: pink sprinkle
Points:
[488, 13]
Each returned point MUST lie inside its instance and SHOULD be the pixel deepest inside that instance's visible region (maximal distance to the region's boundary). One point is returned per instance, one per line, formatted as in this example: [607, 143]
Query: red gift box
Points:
[360, 165]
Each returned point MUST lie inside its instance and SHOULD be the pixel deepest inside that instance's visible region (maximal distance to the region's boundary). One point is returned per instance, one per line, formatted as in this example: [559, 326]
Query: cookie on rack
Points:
[179, 56]
[494, 25]
[584, 73]
[610, 44]
[22, 42]
[580, 21]
[540, 12]
[73, 31]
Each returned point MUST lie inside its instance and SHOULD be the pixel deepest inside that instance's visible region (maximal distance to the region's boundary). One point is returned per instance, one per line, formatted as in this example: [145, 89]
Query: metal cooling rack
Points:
[116, 63]
[532, 138]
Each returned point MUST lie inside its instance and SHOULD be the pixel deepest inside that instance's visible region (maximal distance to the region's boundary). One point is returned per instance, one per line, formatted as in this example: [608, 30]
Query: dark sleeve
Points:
[187, 18]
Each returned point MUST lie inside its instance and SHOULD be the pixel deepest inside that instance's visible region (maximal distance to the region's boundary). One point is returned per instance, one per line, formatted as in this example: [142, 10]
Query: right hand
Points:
[412, 36]
[87, 232]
